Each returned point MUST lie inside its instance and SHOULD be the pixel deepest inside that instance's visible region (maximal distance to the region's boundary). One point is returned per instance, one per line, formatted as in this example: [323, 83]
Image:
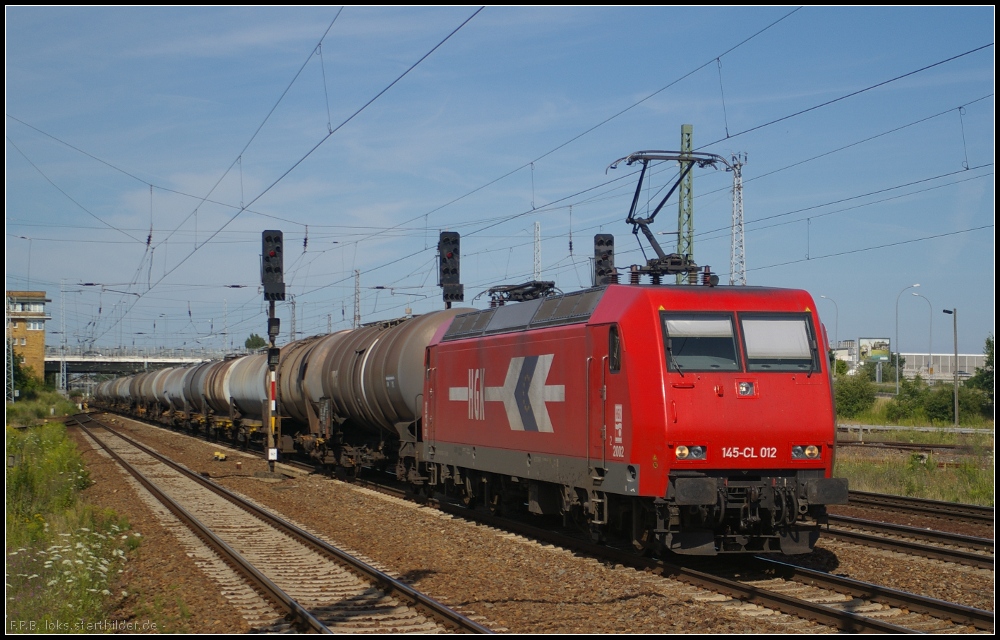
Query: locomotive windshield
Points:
[703, 342]
[778, 343]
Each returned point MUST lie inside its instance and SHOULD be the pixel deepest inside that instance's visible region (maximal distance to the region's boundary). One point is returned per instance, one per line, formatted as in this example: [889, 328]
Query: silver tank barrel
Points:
[294, 365]
[194, 386]
[173, 388]
[248, 385]
[376, 374]
[217, 385]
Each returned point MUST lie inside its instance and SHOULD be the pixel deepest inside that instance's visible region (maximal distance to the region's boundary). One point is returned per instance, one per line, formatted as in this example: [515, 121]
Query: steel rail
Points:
[957, 613]
[843, 620]
[957, 556]
[918, 533]
[383, 580]
[938, 508]
[232, 557]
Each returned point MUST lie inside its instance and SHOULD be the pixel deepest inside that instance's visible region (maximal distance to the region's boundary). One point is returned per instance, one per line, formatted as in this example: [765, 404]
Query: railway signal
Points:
[604, 259]
[450, 274]
[272, 271]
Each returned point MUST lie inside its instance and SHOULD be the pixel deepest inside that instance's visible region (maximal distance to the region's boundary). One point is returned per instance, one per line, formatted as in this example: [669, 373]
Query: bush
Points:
[854, 395]
[939, 404]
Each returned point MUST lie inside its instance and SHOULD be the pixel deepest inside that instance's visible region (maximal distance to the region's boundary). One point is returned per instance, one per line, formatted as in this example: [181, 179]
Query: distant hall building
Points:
[26, 328]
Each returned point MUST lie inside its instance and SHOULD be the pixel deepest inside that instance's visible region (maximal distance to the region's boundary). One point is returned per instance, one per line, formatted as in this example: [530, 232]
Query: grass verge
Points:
[969, 481]
[62, 556]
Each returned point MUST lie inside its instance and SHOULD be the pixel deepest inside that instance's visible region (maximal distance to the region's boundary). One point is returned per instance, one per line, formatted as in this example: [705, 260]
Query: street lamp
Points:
[930, 330]
[28, 286]
[836, 325]
[954, 321]
[897, 334]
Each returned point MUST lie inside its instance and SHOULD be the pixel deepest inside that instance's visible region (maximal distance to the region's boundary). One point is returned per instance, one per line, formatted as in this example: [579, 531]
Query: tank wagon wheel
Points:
[345, 474]
[597, 533]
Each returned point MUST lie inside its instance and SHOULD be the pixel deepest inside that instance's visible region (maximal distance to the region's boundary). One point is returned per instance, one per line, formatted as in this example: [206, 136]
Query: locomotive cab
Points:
[749, 429]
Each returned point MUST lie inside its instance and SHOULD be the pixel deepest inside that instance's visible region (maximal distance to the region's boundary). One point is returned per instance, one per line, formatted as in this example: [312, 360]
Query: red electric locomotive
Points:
[697, 419]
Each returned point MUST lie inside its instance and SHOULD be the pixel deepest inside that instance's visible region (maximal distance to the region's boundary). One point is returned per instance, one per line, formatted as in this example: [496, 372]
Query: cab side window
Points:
[614, 349]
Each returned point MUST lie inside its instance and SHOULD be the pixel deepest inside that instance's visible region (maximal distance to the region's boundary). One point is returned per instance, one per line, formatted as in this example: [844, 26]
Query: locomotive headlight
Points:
[695, 452]
[807, 452]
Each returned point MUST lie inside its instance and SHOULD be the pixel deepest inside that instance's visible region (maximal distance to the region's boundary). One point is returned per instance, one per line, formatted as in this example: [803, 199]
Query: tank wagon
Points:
[695, 419]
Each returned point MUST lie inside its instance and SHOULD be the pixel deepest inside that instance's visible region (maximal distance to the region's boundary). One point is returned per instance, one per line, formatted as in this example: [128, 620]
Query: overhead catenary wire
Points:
[217, 238]
[308, 153]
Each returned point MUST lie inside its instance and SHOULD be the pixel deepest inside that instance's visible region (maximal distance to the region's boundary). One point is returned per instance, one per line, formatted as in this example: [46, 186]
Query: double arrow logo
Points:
[524, 393]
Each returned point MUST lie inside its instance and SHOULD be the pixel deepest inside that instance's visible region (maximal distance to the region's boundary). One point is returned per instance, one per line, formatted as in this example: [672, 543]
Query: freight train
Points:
[693, 419]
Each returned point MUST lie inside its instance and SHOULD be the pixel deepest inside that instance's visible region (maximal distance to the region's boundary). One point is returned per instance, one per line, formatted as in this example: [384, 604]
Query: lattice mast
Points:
[685, 207]
[537, 272]
[737, 255]
[357, 298]
[8, 350]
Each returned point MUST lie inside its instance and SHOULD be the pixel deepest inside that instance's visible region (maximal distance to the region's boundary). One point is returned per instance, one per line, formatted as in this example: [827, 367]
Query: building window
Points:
[36, 325]
[35, 307]
[24, 341]
[14, 324]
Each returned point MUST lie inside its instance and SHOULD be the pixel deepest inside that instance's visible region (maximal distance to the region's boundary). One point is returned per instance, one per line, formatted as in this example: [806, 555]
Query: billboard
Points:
[873, 350]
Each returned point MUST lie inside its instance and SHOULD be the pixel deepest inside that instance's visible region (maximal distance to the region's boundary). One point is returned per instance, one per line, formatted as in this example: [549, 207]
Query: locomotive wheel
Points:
[496, 504]
[468, 492]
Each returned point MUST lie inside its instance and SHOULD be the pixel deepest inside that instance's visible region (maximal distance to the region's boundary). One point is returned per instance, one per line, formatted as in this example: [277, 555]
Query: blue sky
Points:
[201, 127]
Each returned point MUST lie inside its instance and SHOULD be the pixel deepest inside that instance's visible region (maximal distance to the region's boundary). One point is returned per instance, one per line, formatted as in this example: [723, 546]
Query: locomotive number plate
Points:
[749, 452]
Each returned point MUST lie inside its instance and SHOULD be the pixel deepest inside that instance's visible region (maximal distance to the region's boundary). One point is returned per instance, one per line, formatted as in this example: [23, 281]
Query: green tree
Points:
[868, 369]
[854, 394]
[983, 379]
[255, 342]
[24, 377]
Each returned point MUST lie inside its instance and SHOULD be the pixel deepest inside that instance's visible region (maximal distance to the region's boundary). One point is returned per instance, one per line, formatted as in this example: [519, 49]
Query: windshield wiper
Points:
[671, 358]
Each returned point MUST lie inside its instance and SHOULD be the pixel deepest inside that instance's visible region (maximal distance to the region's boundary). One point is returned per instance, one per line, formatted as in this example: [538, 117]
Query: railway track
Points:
[951, 510]
[846, 605]
[939, 545]
[843, 603]
[284, 571]
[908, 446]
